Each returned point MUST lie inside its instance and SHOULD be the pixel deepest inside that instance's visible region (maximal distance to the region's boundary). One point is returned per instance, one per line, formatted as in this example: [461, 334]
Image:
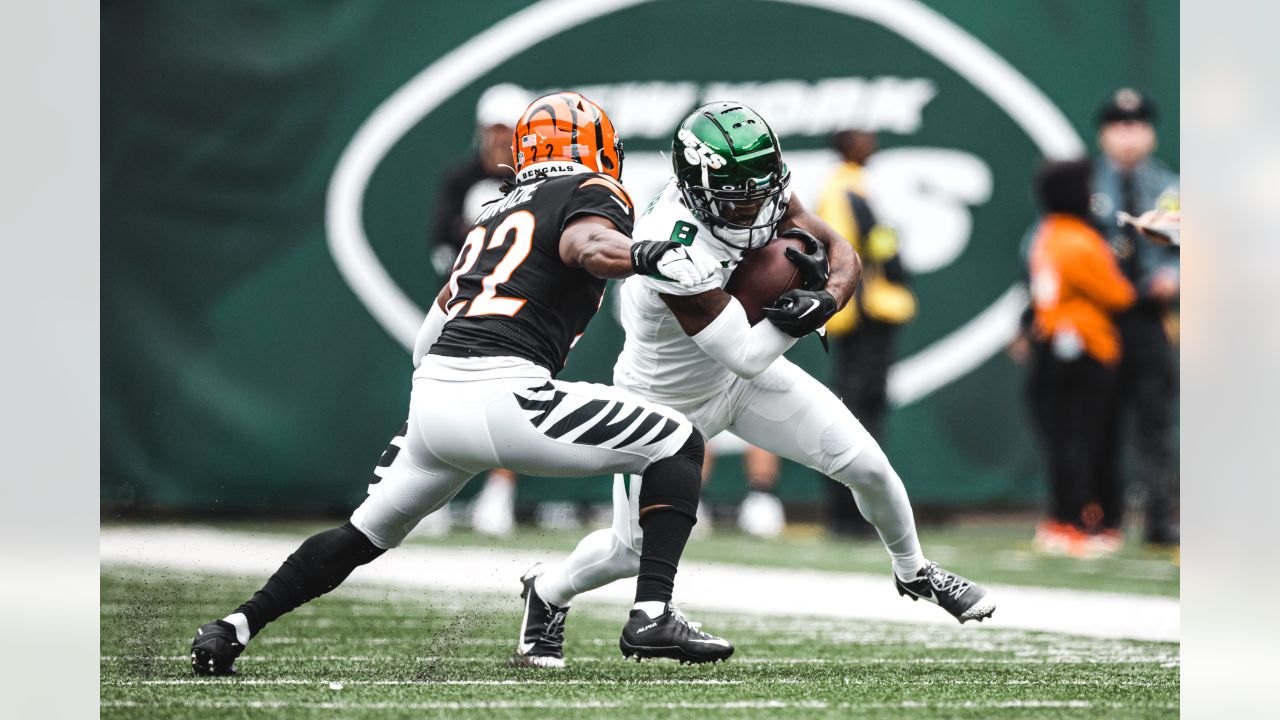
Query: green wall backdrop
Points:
[241, 372]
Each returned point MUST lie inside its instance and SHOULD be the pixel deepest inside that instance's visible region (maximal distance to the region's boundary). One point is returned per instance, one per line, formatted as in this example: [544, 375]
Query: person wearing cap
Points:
[465, 187]
[464, 190]
[1127, 179]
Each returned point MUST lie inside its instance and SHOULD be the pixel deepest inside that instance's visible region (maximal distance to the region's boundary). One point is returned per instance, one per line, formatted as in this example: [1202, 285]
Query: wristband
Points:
[646, 253]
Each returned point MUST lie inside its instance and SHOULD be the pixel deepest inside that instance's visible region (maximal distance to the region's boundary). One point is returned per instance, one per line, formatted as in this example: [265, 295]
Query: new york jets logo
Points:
[953, 205]
[697, 152]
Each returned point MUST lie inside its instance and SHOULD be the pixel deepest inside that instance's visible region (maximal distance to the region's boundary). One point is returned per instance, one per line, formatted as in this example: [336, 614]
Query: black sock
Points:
[665, 535]
[319, 565]
[668, 511]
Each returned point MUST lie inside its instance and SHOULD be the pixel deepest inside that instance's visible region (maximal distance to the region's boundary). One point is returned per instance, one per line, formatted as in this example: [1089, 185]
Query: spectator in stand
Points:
[864, 332]
[464, 191]
[467, 186]
[1128, 179]
[1076, 290]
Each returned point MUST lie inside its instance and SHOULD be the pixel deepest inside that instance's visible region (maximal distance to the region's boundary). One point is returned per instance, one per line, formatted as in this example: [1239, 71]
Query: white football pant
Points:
[785, 411]
[461, 425]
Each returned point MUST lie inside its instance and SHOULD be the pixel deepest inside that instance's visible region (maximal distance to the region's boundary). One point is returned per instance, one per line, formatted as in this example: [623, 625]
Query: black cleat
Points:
[671, 635]
[541, 641]
[965, 600]
[215, 648]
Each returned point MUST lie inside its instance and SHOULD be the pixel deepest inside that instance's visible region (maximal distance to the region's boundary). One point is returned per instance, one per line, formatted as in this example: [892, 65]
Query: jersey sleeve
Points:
[601, 195]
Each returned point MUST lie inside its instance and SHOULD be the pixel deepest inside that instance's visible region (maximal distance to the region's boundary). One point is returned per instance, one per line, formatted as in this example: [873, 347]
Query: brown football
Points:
[763, 276]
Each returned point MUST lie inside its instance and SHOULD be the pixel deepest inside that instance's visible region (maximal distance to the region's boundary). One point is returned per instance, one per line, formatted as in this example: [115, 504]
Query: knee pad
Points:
[869, 469]
[838, 448]
[675, 482]
[694, 449]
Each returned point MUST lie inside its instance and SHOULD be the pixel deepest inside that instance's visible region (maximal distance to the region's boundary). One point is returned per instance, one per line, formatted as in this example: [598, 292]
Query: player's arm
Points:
[845, 267]
[430, 329]
[594, 243]
[718, 324]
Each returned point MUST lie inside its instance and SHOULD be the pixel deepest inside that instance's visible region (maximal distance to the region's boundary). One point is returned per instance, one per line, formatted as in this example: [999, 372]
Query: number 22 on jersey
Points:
[519, 226]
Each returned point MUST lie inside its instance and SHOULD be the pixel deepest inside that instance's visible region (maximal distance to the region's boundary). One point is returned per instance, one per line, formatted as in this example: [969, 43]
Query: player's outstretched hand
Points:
[800, 312]
[687, 265]
[813, 265]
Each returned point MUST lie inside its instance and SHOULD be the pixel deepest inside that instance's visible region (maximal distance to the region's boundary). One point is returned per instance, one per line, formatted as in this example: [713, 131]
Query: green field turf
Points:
[989, 550]
[370, 653]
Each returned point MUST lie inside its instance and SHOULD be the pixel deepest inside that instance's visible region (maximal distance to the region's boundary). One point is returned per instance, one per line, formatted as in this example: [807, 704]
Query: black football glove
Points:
[813, 265]
[800, 312]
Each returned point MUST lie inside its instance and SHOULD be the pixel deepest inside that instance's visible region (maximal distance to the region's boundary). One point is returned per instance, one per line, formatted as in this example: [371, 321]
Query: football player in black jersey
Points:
[530, 276]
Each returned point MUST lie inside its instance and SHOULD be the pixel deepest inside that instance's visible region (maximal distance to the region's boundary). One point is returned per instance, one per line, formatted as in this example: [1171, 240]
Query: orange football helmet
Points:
[567, 126]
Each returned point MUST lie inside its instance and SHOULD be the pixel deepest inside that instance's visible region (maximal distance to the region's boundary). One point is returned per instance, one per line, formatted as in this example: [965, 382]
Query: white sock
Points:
[242, 626]
[884, 503]
[907, 573]
[599, 559]
[551, 591]
[652, 608]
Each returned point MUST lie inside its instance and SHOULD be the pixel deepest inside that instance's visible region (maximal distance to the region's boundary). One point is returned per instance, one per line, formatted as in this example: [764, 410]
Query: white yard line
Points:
[704, 586]
[539, 681]
[491, 660]
[1074, 704]
[542, 681]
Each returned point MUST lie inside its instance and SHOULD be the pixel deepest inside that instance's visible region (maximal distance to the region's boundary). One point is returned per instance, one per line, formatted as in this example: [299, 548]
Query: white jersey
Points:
[659, 361]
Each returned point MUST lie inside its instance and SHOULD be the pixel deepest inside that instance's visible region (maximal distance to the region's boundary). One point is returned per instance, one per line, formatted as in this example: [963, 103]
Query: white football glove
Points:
[687, 265]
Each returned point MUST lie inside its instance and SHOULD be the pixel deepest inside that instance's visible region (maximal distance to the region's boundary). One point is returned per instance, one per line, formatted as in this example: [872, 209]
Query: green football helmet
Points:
[728, 166]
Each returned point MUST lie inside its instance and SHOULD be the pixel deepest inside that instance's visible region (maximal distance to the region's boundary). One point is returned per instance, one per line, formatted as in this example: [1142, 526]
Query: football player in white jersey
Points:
[692, 348]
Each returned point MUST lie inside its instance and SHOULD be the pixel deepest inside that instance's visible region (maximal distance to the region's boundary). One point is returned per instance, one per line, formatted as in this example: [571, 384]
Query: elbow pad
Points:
[428, 333]
[736, 344]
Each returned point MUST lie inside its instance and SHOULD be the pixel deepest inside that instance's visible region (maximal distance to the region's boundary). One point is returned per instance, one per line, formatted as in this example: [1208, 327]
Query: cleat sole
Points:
[672, 653]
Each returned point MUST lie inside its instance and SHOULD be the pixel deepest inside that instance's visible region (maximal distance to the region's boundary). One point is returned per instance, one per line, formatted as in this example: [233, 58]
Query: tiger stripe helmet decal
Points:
[567, 126]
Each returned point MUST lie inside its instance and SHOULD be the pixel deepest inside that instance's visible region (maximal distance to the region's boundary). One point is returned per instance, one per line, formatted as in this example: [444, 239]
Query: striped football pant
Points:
[532, 424]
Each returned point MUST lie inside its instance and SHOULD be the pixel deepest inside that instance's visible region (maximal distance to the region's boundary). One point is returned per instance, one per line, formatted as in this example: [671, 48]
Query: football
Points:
[763, 276]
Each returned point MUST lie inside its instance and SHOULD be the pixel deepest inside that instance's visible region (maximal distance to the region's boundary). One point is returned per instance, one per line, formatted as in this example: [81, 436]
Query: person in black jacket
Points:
[1127, 178]
[465, 187]
[463, 191]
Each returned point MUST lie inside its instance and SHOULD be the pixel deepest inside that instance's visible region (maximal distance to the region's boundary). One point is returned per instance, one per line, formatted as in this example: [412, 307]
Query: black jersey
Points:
[510, 293]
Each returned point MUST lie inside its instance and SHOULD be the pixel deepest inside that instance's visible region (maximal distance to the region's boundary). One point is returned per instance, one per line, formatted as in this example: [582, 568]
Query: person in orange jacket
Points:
[1076, 289]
